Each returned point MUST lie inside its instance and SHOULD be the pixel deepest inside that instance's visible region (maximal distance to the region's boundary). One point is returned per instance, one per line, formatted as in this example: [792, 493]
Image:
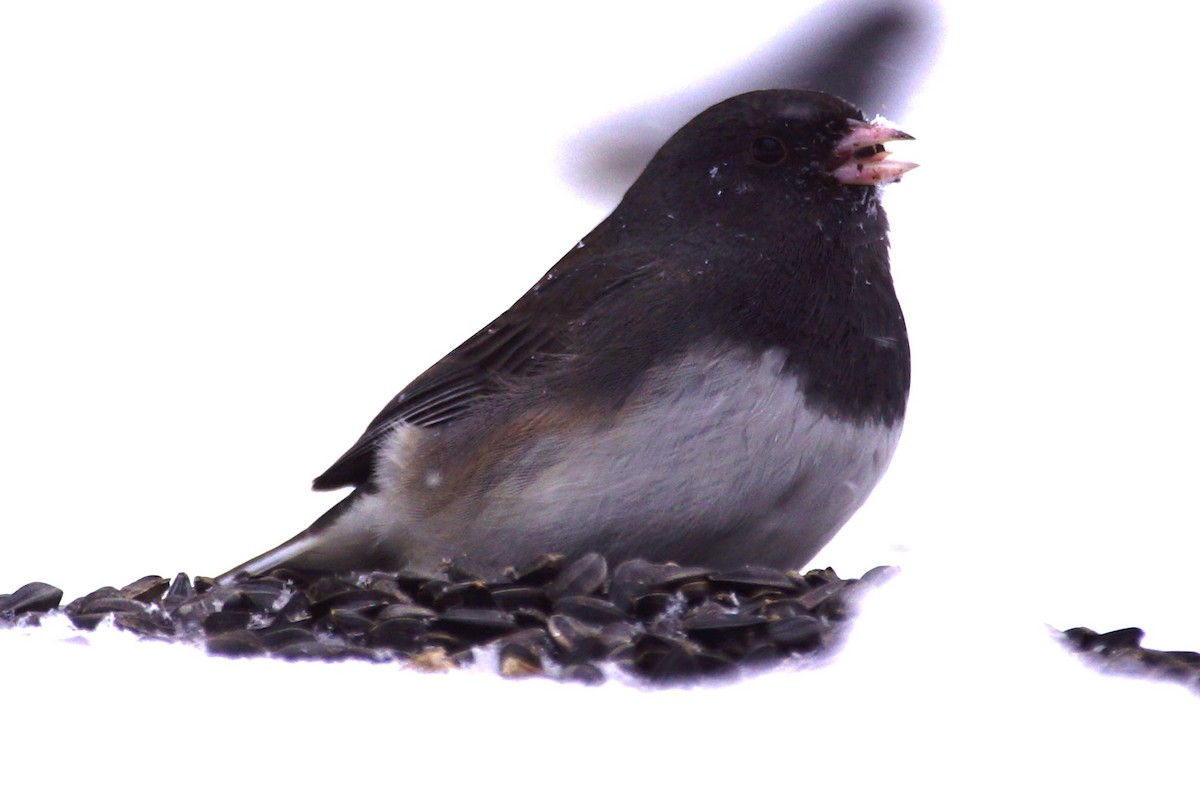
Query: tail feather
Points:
[318, 547]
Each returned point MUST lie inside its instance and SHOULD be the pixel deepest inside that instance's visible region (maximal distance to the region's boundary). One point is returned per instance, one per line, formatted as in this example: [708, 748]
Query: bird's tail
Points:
[328, 545]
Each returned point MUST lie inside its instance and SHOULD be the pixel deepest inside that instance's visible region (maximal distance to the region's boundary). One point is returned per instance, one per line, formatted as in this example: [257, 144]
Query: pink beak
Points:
[861, 160]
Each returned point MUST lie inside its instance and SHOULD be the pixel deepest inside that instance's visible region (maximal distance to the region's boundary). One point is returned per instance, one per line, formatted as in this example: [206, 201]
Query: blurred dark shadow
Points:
[872, 53]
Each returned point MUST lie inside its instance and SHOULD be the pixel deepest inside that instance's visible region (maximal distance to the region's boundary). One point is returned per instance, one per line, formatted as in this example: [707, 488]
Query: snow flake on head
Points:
[883, 122]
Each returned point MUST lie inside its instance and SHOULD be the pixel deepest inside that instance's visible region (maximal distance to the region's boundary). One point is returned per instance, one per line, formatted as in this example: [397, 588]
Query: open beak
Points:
[860, 158]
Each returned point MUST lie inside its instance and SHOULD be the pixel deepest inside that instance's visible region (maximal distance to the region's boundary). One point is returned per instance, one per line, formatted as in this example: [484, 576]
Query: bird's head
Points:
[768, 156]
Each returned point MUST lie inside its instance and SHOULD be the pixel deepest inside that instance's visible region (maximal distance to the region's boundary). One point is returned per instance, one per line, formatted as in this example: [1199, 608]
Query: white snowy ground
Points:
[230, 231]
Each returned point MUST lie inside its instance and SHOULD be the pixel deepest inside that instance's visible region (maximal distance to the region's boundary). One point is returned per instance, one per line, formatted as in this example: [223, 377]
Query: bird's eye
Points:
[768, 150]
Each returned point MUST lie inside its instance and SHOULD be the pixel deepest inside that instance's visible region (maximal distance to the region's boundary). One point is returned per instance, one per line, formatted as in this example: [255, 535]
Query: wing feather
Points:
[529, 338]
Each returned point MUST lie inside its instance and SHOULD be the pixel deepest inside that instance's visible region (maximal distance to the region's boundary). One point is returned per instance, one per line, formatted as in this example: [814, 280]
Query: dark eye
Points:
[768, 150]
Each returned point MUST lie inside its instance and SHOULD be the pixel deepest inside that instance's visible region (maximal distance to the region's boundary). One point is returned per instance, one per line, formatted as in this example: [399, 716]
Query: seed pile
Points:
[1121, 651]
[564, 620]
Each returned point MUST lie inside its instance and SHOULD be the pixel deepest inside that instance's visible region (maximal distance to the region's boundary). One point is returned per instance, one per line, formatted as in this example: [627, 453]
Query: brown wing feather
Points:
[521, 342]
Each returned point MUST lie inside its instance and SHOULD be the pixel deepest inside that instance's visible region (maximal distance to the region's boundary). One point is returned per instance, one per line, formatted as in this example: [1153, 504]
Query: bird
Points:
[715, 376]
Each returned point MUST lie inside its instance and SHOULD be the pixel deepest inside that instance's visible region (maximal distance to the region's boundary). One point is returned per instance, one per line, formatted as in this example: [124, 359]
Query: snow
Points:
[232, 232]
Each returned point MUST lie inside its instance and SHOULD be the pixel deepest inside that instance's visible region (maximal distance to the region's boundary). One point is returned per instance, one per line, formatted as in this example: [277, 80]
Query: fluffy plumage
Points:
[717, 374]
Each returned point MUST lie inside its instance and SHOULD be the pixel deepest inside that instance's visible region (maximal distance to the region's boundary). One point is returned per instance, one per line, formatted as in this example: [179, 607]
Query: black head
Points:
[765, 154]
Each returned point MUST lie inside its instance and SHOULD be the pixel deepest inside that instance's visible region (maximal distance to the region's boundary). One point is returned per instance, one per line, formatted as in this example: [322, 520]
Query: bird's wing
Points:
[523, 341]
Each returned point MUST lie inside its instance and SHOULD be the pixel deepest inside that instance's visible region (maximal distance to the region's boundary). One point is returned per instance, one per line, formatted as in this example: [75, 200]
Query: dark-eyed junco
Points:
[716, 375]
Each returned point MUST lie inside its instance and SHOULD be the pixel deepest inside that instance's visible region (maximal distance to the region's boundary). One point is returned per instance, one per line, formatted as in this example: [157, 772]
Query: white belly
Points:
[714, 461]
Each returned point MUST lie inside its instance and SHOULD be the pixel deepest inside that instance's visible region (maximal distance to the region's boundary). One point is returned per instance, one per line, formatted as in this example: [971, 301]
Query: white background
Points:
[229, 232]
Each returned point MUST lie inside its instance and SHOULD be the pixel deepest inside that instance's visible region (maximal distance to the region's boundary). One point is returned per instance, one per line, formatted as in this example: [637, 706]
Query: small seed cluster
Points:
[1121, 652]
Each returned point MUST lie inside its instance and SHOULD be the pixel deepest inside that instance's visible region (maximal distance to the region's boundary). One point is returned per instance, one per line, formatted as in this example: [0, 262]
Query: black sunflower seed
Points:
[519, 661]
[589, 610]
[584, 576]
[146, 590]
[32, 597]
